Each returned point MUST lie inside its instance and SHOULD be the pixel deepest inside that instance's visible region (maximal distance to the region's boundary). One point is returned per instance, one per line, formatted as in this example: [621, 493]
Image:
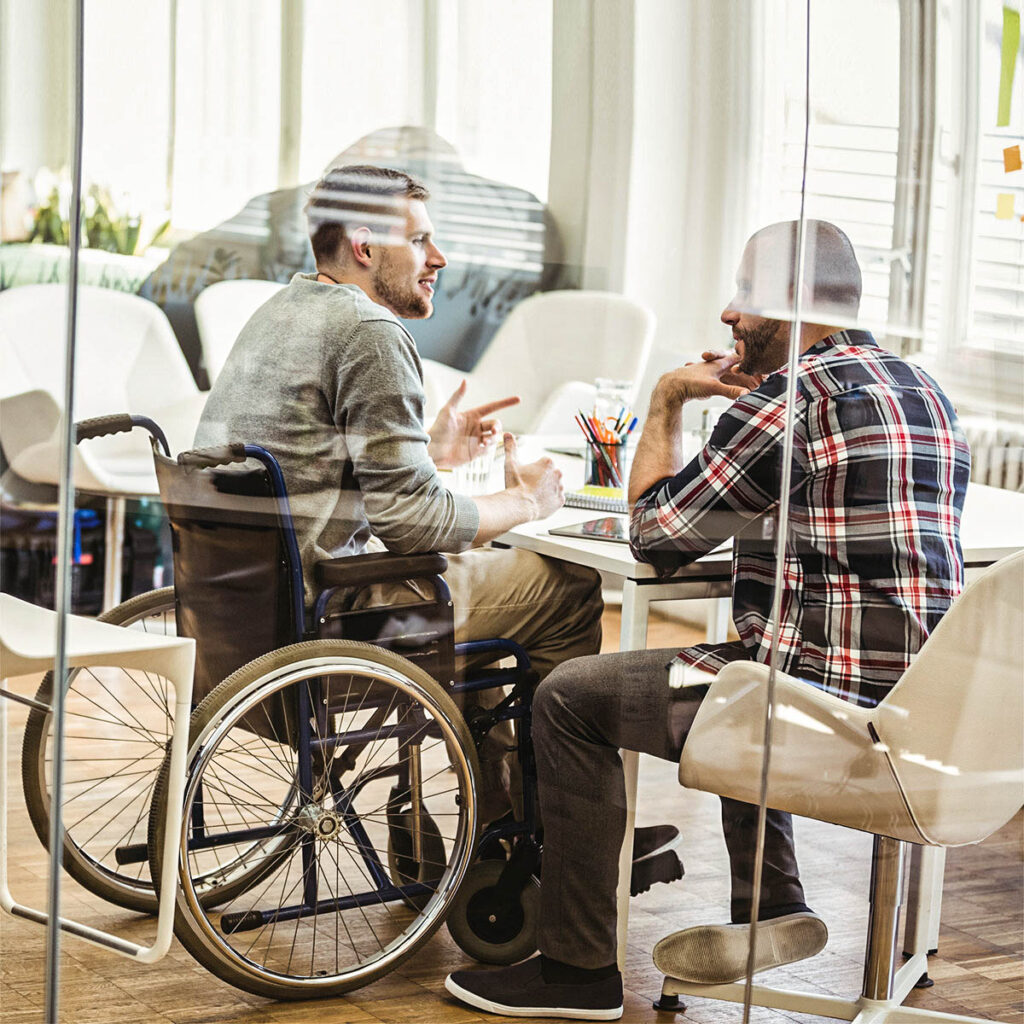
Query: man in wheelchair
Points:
[327, 379]
[873, 560]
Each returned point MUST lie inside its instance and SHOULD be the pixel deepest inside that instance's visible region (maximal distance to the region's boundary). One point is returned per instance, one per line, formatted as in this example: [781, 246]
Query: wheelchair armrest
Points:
[379, 567]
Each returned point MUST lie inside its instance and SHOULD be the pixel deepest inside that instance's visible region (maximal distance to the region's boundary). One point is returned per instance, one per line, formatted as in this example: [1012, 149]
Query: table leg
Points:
[113, 546]
[719, 611]
[633, 637]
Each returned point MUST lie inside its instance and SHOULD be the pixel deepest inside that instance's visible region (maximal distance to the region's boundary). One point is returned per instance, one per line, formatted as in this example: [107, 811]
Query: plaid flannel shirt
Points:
[872, 558]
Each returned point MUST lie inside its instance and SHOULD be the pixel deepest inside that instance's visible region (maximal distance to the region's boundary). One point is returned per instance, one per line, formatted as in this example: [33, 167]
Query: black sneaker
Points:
[654, 857]
[521, 991]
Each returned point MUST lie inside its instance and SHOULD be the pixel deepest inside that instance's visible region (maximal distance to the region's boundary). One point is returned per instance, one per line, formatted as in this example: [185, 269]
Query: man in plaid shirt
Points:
[872, 561]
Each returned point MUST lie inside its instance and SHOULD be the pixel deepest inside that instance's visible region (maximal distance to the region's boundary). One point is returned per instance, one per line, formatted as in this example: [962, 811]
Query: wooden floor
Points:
[977, 969]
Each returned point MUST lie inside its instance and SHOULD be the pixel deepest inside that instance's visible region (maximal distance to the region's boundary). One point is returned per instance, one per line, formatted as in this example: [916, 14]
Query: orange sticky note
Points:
[1011, 159]
[1004, 206]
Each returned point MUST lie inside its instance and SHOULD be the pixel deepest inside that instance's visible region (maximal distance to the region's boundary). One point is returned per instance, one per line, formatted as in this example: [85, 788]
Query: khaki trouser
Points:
[551, 608]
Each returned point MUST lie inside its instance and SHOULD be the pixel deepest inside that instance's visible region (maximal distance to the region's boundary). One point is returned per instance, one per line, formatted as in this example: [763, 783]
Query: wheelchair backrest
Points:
[237, 578]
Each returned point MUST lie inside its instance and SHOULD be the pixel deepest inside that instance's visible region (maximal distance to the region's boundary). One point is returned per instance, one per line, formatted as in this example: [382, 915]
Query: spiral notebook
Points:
[600, 499]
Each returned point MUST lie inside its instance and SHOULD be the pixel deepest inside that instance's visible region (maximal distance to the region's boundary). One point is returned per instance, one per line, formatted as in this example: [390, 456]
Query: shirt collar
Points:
[841, 339]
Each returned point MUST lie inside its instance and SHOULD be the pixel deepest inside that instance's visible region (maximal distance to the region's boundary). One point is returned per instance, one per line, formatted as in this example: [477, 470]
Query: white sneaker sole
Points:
[527, 1011]
[717, 954]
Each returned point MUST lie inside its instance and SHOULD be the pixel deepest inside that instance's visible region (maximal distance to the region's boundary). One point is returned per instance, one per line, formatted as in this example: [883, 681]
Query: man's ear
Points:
[360, 240]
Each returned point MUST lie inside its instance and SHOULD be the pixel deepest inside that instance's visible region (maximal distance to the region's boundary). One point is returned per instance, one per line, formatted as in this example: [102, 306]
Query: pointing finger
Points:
[501, 403]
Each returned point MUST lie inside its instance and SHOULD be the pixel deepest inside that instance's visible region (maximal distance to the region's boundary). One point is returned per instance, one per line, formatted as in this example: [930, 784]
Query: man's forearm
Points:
[500, 512]
[659, 452]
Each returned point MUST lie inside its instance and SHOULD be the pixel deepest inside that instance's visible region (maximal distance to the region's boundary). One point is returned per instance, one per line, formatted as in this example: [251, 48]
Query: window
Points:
[909, 162]
[990, 251]
[226, 126]
[854, 134]
[362, 70]
[494, 88]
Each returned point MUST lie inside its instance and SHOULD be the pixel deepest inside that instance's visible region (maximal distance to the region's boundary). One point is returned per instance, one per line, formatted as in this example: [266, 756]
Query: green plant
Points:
[103, 226]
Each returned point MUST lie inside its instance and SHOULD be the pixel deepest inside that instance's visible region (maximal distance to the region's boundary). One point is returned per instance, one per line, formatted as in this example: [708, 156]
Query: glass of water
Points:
[474, 477]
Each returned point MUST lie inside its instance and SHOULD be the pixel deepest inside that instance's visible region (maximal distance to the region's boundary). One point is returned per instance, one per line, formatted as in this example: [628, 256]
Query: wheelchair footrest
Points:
[244, 921]
[136, 853]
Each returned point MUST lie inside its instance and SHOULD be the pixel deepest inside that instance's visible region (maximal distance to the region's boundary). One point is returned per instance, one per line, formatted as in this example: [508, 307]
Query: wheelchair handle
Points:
[219, 455]
[118, 423]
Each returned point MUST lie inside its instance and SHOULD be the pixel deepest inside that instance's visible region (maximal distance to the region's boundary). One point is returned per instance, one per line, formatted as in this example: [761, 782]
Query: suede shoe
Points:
[521, 991]
[717, 954]
[654, 857]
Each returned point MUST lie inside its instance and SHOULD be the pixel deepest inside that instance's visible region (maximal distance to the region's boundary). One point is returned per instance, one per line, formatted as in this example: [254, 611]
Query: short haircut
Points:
[346, 198]
[831, 270]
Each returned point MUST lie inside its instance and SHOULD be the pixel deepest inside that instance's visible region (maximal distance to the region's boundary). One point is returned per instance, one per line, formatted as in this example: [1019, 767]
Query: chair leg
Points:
[884, 920]
[884, 988]
[112, 553]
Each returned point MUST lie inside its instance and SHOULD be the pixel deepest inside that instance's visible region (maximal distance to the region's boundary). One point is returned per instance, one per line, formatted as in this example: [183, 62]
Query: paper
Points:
[1011, 159]
[1011, 44]
[1004, 206]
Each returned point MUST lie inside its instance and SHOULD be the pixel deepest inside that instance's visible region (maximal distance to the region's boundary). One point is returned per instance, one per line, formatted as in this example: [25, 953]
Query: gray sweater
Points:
[332, 385]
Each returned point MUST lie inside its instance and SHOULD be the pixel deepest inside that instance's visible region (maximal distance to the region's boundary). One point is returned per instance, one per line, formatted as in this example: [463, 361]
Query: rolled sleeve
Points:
[735, 479]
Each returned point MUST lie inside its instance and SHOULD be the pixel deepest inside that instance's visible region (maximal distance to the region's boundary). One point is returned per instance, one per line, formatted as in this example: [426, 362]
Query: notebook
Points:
[600, 499]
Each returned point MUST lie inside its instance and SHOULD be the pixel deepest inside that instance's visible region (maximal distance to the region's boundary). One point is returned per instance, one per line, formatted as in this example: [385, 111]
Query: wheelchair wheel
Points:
[488, 928]
[300, 842]
[118, 722]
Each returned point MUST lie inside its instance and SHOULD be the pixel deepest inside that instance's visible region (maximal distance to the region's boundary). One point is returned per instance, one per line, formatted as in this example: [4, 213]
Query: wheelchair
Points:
[330, 822]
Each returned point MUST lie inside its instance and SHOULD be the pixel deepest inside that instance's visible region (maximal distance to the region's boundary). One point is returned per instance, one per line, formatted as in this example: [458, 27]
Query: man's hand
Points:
[744, 380]
[712, 377]
[459, 437]
[540, 482]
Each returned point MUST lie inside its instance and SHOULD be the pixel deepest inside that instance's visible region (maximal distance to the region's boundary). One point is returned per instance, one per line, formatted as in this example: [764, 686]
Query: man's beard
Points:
[403, 299]
[764, 351]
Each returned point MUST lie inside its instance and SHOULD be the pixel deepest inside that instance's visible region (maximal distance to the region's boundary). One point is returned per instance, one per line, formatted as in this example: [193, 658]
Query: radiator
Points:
[997, 452]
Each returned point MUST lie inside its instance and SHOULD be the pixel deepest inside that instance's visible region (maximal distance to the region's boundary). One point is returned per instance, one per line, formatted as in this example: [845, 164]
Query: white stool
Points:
[27, 642]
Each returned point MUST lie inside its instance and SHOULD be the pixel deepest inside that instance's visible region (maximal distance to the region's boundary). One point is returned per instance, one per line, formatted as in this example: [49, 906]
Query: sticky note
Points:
[1011, 44]
[1004, 206]
[1011, 159]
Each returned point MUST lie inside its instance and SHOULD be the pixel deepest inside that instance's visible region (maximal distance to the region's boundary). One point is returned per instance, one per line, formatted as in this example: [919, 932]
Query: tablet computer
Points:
[614, 528]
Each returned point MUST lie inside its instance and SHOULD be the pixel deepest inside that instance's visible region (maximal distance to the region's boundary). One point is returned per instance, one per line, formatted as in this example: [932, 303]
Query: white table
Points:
[992, 527]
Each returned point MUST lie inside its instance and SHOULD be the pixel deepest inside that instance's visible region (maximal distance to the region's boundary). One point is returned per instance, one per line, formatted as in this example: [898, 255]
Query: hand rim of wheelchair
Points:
[196, 924]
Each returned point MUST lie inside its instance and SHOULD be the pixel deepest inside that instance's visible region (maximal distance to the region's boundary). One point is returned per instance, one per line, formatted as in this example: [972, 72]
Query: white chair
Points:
[222, 310]
[939, 762]
[127, 359]
[27, 644]
[549, 351]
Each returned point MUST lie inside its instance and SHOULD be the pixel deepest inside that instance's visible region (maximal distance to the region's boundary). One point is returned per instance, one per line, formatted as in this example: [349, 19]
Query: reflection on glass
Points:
[583, 226]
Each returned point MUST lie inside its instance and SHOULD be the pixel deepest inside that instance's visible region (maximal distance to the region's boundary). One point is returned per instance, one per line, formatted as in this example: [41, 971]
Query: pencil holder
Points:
[607, 465]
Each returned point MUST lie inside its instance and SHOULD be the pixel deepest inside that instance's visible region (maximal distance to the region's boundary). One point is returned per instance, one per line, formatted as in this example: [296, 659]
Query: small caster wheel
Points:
[402, 867]
[489, 928]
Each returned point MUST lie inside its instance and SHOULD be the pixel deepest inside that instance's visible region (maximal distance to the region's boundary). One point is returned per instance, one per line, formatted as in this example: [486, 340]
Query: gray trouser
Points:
[583, 713]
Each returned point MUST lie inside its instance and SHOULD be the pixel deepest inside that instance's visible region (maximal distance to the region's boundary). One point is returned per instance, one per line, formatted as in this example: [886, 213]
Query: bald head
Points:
[764, 283]
[831, 273]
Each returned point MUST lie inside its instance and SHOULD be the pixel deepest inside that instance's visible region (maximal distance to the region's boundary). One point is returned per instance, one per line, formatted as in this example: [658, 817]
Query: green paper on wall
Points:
[1004, 206]
[1011, 44]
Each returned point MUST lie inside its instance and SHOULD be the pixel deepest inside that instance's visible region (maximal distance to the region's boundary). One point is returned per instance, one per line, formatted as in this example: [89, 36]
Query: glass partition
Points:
[697, 323]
